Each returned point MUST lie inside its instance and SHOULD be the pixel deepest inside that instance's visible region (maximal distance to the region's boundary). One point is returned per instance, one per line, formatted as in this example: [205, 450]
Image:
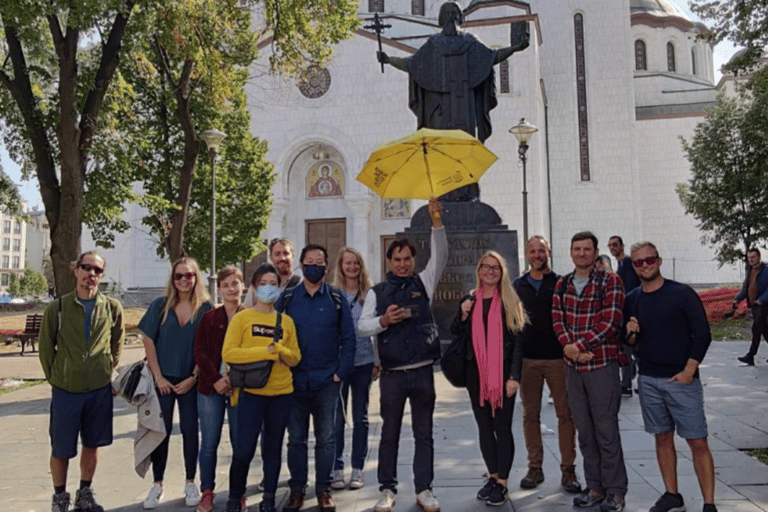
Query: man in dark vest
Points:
[451, 76]
[398, 312]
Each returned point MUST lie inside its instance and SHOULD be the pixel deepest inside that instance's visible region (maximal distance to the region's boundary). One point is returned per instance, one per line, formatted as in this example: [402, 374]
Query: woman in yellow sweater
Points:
[249, 339]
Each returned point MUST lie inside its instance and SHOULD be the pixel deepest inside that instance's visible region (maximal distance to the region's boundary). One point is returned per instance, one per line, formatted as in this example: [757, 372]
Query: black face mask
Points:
[314, 273]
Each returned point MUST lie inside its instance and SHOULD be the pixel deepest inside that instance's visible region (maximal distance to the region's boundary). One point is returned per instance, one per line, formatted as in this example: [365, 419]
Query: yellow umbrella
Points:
[426, 163]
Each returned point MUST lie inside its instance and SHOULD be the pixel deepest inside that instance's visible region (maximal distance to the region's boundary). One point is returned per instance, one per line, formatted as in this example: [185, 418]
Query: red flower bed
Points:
[718, 301]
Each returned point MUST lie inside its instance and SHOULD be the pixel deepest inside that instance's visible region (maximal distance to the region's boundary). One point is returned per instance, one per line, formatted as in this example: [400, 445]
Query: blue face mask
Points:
[267, 293]
[314, 273]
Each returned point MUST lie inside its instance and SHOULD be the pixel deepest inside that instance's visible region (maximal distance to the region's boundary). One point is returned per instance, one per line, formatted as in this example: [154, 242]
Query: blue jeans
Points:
[418, 386]
[210, 412]
[321, 404]
[188, 425]
[254, 412]
[360, 382]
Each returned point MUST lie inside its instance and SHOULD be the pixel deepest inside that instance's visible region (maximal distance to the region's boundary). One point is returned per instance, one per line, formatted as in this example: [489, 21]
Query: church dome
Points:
[661, 8]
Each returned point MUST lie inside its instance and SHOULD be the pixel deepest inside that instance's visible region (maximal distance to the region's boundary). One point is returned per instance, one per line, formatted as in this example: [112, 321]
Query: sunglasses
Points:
[89, 268]
[650, 260]
[178, 276]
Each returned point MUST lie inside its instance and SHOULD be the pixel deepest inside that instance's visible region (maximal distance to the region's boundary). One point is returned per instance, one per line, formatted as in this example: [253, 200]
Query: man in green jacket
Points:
[80, 343]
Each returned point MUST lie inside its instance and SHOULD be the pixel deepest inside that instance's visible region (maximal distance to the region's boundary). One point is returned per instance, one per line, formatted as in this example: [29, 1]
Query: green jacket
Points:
[69, 361]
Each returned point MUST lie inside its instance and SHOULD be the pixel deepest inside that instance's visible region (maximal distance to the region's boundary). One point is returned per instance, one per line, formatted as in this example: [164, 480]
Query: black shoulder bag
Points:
[255, 375]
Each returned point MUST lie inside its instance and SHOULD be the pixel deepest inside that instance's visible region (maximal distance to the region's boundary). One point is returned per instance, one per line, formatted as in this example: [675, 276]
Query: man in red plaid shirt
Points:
[587, 316]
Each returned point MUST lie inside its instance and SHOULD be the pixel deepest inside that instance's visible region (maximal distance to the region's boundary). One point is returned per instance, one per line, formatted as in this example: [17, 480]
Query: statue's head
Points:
[450, 11]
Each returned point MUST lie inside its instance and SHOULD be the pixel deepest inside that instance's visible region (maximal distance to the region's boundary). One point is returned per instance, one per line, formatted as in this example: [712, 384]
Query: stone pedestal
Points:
[472, 229]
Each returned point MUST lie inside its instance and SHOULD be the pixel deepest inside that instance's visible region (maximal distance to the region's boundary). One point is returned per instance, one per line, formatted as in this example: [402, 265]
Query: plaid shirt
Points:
[592, 321]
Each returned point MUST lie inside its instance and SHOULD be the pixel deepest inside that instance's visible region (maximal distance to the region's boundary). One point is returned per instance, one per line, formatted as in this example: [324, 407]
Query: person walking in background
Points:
[398, 311]
[282, 256]
[251, 338]
[603, 262]
[587, 316]
[543, 361]
[213, 384]
[352, 279]
[670, 324]
[327, 340]
[490, 319]
[630, 281]
[80, 341]
[169, 327]
[755, 290]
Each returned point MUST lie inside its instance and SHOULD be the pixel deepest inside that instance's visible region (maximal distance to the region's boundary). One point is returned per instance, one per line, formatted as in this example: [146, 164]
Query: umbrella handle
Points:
[435, 215]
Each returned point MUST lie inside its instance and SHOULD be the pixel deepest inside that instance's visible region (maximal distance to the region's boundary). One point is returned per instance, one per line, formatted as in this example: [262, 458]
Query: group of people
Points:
[321, 342]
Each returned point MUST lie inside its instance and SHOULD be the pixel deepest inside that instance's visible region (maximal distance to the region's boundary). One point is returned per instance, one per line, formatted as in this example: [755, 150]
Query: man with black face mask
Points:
[398, 312]
[327, 340]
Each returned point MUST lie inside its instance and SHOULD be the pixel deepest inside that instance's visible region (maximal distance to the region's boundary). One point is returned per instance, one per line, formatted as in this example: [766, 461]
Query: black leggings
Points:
[189, 433]
[496, 442]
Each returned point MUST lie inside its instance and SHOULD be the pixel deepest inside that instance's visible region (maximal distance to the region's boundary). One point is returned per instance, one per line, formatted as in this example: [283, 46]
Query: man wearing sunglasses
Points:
[587, 317]
[670, 324]
[80, 342]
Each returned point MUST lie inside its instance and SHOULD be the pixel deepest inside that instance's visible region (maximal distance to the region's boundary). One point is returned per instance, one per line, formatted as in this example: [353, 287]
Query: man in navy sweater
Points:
[673, 336]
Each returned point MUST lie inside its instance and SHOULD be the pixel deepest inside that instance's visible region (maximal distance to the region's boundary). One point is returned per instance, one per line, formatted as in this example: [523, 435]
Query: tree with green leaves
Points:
[32, 282]
[726, 193]
[14, 285]
[10, 199]
[52, 88]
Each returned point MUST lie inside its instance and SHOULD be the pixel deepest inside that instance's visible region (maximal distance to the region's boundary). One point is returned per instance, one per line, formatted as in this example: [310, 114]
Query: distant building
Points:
[12, 247]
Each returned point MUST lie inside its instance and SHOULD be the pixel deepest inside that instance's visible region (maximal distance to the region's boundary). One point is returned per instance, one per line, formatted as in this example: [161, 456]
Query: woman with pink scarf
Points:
[490, 318]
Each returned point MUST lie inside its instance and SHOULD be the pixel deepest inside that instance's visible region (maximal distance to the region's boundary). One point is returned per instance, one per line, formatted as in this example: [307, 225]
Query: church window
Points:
[375, 5]
[671, 57]
[581, 97]
[417, 7]
[504, 77]
[640, 62]
[693, 61]
[315, 82]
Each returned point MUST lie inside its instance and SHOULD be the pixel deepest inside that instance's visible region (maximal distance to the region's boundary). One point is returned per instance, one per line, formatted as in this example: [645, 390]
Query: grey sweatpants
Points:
[595, 397]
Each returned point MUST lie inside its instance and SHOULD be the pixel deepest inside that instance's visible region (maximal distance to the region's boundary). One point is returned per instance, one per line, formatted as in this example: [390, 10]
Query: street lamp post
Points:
[522, 133]
[212, 139]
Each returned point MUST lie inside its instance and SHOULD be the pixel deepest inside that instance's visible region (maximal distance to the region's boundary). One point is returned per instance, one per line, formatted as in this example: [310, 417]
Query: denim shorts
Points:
[672, 406]
[86, 414]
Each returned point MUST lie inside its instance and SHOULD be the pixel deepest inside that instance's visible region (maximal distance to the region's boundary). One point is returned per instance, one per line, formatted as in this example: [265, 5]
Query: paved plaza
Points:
[736, 406]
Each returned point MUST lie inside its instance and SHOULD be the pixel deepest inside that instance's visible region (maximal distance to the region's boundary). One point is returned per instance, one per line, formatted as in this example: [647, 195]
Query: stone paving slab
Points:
[736, 407]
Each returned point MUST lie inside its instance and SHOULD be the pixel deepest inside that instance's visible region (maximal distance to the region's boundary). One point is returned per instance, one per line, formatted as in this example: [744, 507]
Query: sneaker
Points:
[325, 502]
[295, 502]
[154, 496]
[386, 501]
[498, 496]
[261, 485]
[206, 501]
[588, 498]
[669, 502]
[357, 480]
[233, 506]
[485, 491]
[85, 502]
[337, 480]
[243, 508]
[532, 479]
[748, 360]
[427, 500]
[267, 506]
[709, 507]
[570, 481]
[612, 503]
[60, 502]
[191, 494]
[626, 391]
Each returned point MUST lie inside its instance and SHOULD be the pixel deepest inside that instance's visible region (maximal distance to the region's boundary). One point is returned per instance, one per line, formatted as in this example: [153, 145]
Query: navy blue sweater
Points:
[673, 328]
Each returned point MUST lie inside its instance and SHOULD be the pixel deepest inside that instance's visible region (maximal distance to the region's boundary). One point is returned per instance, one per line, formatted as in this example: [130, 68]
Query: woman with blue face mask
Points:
[249, 339]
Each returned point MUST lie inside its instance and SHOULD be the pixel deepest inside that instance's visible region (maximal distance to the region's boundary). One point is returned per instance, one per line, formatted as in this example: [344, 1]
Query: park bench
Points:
[31, 331]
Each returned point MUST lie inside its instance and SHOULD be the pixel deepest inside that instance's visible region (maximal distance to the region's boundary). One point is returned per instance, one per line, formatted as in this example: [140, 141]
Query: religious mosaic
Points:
[325, 179]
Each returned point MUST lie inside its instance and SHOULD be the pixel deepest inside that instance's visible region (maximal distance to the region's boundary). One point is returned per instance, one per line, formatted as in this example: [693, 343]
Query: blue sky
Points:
[29, 190]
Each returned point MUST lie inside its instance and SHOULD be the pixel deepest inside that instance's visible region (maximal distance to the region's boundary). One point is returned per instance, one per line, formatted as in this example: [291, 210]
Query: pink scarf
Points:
[490, 354]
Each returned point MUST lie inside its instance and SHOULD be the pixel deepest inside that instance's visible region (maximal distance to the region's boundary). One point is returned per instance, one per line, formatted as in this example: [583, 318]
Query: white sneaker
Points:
[386, 502]
[191, 494]
[357, 480]
[337, 480]
[154, 496]
[427, 500]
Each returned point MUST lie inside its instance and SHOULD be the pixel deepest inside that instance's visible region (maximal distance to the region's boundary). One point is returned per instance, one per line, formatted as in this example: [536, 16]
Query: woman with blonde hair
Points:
[169, 326]
[490, 318]
[354, 282]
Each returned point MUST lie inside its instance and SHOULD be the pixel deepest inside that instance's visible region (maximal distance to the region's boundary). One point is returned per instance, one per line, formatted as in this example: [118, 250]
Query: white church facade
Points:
[610, 84]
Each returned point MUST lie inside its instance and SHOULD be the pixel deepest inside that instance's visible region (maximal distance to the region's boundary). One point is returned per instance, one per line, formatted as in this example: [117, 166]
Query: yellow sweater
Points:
[249, 335]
